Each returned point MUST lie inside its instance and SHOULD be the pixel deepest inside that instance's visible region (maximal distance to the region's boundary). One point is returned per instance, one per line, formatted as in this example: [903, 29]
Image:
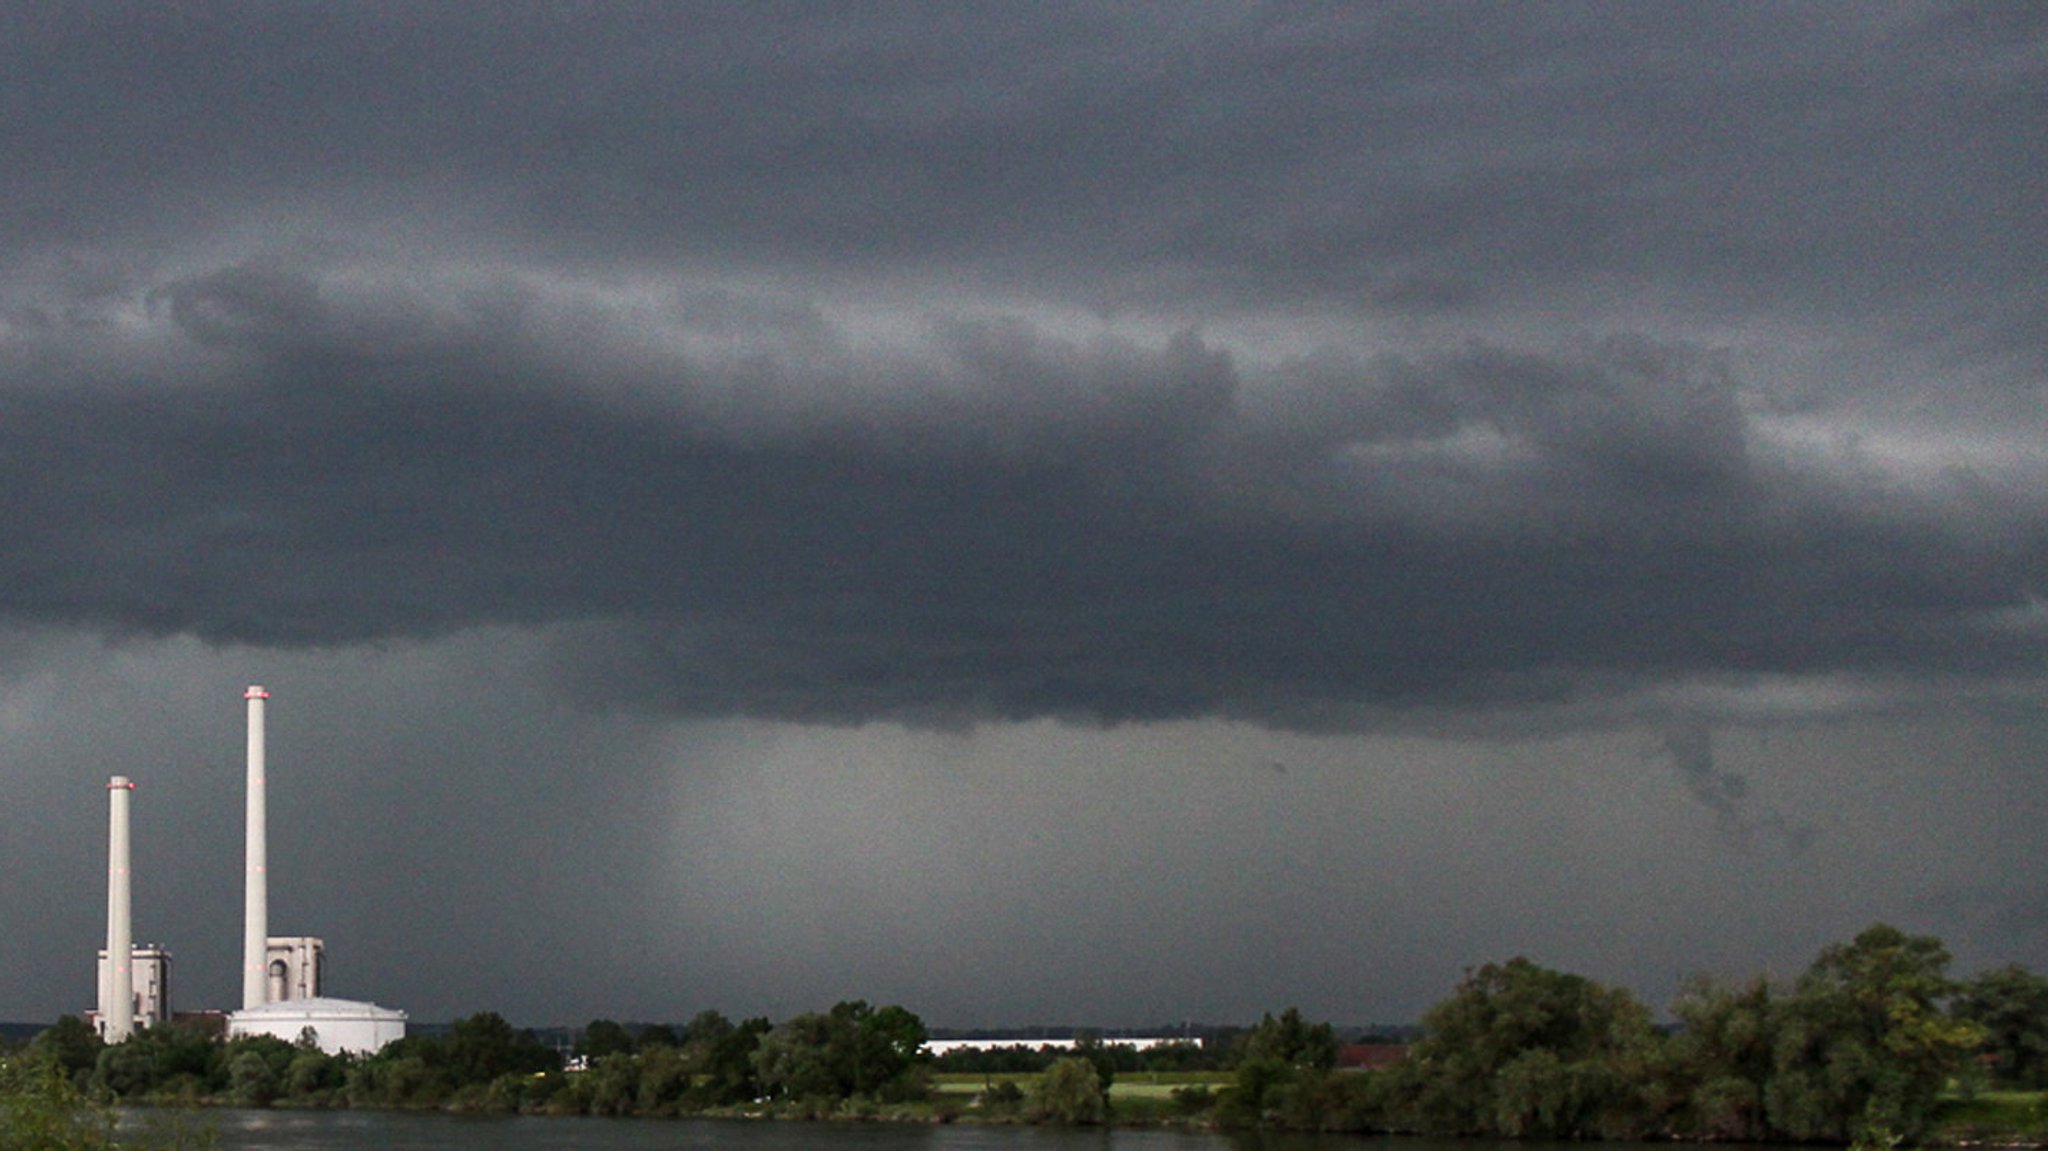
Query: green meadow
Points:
[1993, 1118]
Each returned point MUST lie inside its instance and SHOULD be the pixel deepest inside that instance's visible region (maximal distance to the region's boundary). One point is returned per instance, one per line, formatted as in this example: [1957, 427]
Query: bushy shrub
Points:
[1002, 1099]
[1070, 1091]
[42, 1110]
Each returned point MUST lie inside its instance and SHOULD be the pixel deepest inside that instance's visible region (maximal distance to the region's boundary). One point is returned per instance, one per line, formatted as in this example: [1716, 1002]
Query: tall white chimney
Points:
[117, 992]
[256, 892]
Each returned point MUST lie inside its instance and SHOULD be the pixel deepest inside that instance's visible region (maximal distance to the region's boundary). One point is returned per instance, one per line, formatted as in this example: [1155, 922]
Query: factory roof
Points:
[318, 1007]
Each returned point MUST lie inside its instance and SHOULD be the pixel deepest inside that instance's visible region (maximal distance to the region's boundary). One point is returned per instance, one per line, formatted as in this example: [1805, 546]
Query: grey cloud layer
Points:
[1294, 150]
[1272, 363]
[984, 518]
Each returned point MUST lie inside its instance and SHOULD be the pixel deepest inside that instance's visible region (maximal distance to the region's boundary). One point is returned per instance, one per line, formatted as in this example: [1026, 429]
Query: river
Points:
[406, 1131]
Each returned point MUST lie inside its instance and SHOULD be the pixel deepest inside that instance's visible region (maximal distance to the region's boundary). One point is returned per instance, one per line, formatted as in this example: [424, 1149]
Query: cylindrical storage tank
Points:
[335, 1025]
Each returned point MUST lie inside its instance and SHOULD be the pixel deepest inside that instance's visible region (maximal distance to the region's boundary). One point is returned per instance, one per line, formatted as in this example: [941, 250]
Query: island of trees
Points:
[1873, 1045]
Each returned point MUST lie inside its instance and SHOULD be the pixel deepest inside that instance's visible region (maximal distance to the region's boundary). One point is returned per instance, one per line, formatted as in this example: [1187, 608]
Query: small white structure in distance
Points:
[1140, 1042]
[337, 1025]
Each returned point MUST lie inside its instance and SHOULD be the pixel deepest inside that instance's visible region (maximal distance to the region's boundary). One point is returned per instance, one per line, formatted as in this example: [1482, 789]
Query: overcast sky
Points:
[1073, 512]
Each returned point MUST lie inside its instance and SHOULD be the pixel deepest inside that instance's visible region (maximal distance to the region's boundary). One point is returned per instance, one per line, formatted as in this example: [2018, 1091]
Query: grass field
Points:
[1997, 1117]
[1130, 1085]
[1137, 1097]
[1989, 1118]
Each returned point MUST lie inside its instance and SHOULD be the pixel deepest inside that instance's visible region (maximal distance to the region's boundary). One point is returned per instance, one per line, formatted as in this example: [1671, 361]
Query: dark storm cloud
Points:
[1467, 406]
[1287, 363]
[980, 519]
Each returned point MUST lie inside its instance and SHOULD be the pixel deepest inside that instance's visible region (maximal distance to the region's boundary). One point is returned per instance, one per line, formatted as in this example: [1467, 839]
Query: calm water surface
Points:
[390, 1131]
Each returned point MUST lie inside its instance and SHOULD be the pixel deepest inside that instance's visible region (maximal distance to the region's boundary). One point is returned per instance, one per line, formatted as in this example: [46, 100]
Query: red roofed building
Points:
[1370, 1056]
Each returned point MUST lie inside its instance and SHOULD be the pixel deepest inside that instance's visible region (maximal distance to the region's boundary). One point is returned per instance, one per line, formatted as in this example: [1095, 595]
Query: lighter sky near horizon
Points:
[1080, 513]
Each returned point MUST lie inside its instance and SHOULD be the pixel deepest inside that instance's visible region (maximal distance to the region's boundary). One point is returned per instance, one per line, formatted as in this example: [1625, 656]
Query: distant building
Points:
[213, 1024]
[1141, 1042]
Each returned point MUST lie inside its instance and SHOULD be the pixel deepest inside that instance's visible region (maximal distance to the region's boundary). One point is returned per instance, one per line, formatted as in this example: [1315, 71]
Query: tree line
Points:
[483, 1063]
[1860, 1048]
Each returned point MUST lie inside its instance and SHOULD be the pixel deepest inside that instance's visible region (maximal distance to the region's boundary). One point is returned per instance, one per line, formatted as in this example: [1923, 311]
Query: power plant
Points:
[281, 975]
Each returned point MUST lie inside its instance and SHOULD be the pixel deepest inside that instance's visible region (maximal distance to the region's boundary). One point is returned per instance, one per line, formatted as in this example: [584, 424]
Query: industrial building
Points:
[282, 976]
[149, 987]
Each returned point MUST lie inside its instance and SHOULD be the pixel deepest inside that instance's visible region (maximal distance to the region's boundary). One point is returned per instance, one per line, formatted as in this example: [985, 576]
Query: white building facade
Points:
[294, 967]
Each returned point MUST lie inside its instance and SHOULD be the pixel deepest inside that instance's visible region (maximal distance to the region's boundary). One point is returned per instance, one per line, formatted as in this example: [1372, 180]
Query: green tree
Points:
[706, 1028]
[1522, 1050]
[252, 1080]
[613, 1085]
[1281, 1066]
[1070, 1091]
[1088, 1045]
[42, 1110]
[2010, 1004]
[1864, 1047]
[508, 1094]
[1292, 1041]
[1256, 1087]
[71, 1043]
[1001, 1099]
[398, 1076]
[1194, 1098]
[484, 1046]
[162, 1061]
[1180, 1056]
[665, 1076]
[728, 1075]
[658, 1035]
[851, 1050]
[602, 1037]
[1721, 1061]
[893, 1066]
[794, 1061]
[313, 1074]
